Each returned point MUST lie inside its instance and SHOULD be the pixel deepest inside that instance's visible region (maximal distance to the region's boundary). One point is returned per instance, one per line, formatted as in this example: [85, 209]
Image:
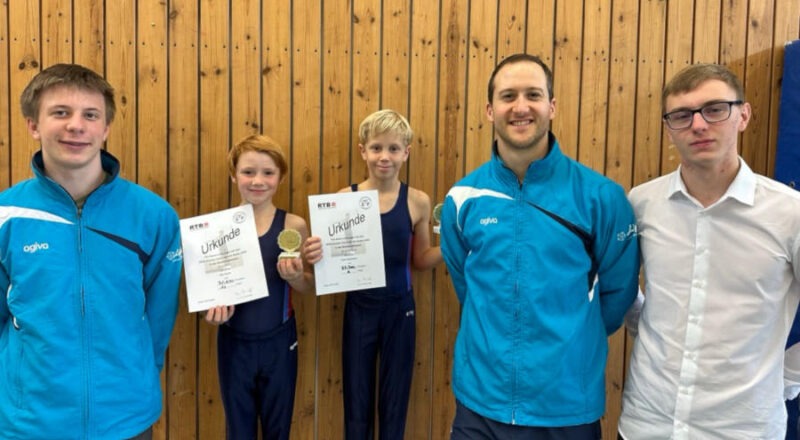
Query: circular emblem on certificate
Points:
[289, 241]
[365, 203]
[437, 216]
[239, 217]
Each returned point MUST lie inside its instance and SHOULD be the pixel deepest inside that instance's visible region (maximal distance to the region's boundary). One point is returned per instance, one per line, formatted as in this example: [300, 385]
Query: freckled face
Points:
[257, 177]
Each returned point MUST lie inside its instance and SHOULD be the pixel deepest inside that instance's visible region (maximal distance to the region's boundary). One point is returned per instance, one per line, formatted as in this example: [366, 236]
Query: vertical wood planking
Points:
[541, 29]
[707, 24]
[394, 57]
[89, 37]
[276, 122]
[422, 169]
[593, 95]
[510, 28]
[366, 72]
[756, 84]
[620, 150]
[276, 85]
[57, 22]
[733, 37]
[337, 149]
[481, 50]
[594, 91]
[184, 181]
[288, 69]
[733, 40]
[307, 144]
[451, 140]
[214, 140]
[121, 73]
[11, 103]
[680, 30]
[650, 77]
[245, 89]
[566, 67]
[620, 144]
[394, 71]
[151, 88]
[25, 62]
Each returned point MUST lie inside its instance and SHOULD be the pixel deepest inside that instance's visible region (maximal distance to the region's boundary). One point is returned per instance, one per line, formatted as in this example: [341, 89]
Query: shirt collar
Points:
[743, 187]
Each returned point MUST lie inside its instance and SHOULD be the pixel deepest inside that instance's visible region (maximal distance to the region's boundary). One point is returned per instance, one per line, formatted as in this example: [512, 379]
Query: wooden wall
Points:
[194, 76]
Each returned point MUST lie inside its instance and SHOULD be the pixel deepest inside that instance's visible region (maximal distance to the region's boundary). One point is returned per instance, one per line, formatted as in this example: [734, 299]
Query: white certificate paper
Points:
[222, 259]
[349, 225]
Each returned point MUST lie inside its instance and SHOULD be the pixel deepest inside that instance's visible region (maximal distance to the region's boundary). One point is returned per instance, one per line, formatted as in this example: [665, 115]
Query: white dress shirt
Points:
[722, 286]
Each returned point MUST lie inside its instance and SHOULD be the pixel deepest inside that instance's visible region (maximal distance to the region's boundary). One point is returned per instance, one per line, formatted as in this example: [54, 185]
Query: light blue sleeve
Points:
[162, 275]
[4, 283]
[454, 250]
[616, 249]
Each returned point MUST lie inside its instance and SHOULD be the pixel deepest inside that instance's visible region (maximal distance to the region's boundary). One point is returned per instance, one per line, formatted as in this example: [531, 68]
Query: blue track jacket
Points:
[545, 271]
[89, 301]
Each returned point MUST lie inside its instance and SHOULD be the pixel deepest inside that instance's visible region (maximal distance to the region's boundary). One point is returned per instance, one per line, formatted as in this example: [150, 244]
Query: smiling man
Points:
[543, 255]
[721, 261]
[89, 269]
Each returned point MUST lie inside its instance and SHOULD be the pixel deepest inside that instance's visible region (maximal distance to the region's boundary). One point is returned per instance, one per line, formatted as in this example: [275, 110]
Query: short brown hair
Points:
[259, 143]
[385, 121]
[66, 75]
[522, 58]
[689, 78]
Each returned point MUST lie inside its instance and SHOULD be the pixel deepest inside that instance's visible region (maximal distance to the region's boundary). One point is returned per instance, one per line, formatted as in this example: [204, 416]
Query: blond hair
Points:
[385, 121]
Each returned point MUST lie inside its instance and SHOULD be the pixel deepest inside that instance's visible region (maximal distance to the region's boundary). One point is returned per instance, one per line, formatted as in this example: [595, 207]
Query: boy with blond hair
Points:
[381, 322]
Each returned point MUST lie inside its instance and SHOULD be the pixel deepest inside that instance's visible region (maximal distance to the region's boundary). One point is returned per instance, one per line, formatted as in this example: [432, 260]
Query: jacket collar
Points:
[538, 170]
[109, 163]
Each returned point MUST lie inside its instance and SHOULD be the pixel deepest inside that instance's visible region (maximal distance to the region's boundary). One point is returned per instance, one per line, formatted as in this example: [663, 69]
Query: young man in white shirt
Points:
[721, 260]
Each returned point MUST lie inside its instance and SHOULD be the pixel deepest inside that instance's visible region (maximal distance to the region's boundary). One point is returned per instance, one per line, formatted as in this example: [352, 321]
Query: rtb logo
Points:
[488, 221]
[32, 248]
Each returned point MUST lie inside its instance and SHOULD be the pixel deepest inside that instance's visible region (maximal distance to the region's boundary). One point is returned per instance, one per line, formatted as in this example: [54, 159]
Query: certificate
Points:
[349, 226]
[222, 259]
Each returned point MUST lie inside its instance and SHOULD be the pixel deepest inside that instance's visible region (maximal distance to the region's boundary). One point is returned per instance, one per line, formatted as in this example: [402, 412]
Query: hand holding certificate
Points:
[349, 226]
[222, 259]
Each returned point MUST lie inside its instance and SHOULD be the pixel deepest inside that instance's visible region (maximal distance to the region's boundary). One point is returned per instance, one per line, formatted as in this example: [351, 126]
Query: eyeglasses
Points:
[712, 113]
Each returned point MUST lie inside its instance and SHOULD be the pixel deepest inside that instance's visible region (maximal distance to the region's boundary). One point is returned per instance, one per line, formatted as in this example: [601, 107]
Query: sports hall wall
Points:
[194, 76]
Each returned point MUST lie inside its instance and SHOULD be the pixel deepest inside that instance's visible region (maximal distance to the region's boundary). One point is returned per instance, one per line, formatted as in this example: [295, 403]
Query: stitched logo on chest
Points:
[34, 247]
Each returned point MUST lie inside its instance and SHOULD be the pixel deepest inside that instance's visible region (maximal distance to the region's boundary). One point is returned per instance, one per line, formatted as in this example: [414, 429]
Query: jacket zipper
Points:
[84, 336]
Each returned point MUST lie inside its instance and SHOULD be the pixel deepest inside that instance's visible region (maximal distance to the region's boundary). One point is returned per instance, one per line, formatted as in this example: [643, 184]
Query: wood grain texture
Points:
[194, 76]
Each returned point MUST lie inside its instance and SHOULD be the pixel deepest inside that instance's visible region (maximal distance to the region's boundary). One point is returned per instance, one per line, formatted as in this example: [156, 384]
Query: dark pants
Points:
[257, 377]
[469, 425]
[146, 435]
[377, 326]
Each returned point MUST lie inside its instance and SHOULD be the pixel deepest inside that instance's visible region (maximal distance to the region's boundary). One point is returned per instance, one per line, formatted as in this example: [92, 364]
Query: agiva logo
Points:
[32, 248]
[489, 221]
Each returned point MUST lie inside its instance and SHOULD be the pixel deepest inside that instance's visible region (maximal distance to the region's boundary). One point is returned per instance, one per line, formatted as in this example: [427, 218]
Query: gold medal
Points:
[289, 241]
